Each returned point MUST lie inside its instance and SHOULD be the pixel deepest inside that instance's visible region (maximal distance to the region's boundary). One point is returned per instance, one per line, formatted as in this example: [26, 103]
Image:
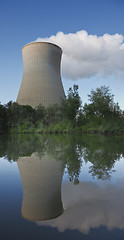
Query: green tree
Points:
[40, 113]
[102, 103]
[71, 106]
[3, 119]
[18, 114]
[52, 114]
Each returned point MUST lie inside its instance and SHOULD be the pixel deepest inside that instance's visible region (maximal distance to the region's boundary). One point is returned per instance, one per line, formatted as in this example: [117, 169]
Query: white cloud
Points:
[85, 55]
[89, 205]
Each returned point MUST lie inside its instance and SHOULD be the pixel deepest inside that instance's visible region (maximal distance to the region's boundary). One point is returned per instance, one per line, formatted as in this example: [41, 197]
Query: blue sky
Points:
[22, 22]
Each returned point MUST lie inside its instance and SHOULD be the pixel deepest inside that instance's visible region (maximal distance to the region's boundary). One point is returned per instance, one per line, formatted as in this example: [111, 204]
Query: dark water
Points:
[61, 187]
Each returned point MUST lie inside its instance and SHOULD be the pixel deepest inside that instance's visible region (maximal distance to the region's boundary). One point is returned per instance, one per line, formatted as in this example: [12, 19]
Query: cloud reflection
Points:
[89, 205]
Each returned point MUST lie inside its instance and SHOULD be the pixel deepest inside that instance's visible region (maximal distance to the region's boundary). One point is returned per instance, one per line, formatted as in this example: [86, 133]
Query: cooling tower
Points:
[41, 82]
[41, 179]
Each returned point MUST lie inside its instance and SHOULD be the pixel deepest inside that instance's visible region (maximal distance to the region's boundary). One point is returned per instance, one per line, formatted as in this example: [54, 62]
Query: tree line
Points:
[101, 114]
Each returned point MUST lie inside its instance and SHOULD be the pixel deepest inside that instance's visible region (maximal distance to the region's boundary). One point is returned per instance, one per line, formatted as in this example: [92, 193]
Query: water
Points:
[61, 187]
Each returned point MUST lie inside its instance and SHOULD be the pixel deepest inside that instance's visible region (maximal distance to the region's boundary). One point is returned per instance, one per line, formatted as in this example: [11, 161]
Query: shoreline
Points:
[69, 132]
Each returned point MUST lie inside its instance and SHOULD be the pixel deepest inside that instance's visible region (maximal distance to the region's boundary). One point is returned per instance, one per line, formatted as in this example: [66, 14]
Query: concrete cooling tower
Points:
[41, 179]
[41, 82]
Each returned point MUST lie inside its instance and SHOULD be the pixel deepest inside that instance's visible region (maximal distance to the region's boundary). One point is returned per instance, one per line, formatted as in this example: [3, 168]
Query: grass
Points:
[101, 126]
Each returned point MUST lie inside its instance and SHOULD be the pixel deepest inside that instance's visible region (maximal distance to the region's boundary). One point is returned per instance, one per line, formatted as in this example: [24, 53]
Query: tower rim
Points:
[41, 43]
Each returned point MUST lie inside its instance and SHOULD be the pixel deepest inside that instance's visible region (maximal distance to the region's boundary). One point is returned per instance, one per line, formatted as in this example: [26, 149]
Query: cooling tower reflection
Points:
[41, 178]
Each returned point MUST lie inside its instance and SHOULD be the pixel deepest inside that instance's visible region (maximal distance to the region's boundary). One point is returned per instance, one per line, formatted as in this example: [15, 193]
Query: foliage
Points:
[40, 113]
[71, 106]
[102, 103]
[52, 114]
[100, 152]
[3, 119]
[17, 114]
[102, 115]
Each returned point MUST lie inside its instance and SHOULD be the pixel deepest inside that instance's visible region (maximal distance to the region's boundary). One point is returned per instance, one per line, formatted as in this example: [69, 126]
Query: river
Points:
[61, 187]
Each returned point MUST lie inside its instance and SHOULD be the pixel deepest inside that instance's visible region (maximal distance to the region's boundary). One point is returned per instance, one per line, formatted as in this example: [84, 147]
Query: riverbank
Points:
[103, 127]
[101, 116]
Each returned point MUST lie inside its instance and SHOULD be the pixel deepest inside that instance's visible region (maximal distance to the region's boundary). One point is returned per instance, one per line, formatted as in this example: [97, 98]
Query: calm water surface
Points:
[61, 187]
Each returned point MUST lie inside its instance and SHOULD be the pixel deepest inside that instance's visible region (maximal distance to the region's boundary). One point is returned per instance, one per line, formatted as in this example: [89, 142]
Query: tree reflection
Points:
[101, 151]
